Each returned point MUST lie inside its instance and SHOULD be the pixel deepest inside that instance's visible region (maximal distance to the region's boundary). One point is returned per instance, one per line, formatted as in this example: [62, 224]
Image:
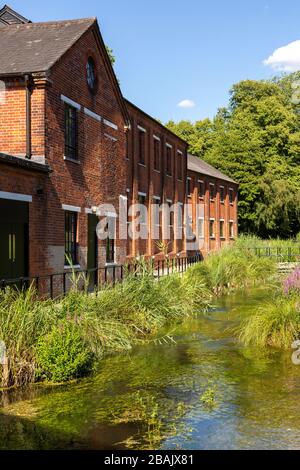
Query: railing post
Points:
[51, 286]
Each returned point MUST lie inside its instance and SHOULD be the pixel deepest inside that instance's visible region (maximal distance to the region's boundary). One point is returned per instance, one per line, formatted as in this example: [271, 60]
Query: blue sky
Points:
[173, 50]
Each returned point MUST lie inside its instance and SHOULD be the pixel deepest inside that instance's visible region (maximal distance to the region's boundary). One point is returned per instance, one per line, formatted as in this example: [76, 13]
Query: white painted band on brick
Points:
[112, 215]
[222, 220]
[142, 194]
[110, 137]
[140, 128]
[170, 201]
[15, 196]
[66, 207]
[169, 146]
[110, 124]
[157, 198]
[67, 100]
[90, 113]
[156, 137]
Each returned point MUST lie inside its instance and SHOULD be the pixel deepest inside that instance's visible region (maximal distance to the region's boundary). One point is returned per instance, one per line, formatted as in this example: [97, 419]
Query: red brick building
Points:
[212, 206]
[73, 150]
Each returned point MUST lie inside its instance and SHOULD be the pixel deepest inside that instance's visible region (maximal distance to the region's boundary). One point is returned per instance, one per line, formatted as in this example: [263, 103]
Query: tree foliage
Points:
[256, 141]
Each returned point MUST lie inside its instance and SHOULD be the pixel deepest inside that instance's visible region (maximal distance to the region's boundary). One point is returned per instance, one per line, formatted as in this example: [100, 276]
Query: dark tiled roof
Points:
[35, 47]
[200, 166]
[129, 103]
[24, 163]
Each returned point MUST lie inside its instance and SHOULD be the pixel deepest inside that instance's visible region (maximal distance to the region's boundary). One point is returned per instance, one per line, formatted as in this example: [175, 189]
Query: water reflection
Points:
[152, 397]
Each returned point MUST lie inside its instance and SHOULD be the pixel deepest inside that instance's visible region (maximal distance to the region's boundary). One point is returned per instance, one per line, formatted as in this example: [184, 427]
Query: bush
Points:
[234, 267]
[276, 323]
[62, 354]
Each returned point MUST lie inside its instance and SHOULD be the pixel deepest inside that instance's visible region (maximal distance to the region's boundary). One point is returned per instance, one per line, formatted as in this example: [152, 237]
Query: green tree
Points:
[256, 141]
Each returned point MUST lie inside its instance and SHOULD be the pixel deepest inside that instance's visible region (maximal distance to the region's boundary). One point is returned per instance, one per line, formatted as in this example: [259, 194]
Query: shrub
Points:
[276, 323]
[292, 283]
[62, 354]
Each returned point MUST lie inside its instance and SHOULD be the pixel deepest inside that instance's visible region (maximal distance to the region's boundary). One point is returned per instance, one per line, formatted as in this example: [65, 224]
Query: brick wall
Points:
[154, 181]
[33, 184]
[213, 209]
[99, 176]
[13, 119]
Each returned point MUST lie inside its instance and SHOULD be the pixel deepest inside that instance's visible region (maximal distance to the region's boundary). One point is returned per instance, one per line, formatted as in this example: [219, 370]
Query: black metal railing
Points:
[59, 284]
[290, 254]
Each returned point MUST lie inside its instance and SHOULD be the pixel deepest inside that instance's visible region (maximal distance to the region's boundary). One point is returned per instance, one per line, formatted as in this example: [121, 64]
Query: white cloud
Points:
[286, 58]
[186, 104]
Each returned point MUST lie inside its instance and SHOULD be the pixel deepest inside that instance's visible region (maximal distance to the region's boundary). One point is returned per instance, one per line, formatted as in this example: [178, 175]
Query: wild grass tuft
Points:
[276, 323]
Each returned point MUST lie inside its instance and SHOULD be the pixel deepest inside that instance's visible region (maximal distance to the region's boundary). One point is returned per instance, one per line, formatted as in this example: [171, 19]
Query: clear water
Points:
[152, 397]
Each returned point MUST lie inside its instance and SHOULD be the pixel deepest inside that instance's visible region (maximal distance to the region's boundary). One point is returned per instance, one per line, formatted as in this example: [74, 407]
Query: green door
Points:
[13, 239]
[92, 256]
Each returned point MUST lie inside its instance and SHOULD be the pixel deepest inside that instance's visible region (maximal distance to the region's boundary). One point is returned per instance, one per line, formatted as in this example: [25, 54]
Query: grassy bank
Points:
[65, 339]
[277, 322]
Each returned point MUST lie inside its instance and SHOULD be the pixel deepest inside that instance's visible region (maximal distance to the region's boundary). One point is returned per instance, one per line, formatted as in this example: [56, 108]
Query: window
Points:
[142, 144]
[231, 229]
[90, 73]
[157, 216]
[222, 231]
[110, 240]
[171, 214]
[71, 132]
[180, 160]
[142, 201]
[222, 194]
[70, 238]
[156, 154]
[201, 227]
[231, 196]
[169, 160]
[212, 191]
[201, 189]
[212, 228]
[189, 187]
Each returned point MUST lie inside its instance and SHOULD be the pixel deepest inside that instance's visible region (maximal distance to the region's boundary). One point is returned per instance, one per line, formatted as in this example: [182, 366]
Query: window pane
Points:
[70, 238]
[70, 132]
[222, 228]
[142, 142]
[201, 228]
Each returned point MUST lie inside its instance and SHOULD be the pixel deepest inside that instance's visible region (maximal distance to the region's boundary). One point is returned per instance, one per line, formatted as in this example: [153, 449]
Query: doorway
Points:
[14, 223]
[92, 255]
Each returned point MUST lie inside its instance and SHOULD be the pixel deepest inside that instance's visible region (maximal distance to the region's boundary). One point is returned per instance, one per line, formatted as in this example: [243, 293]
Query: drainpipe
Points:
[28, 84]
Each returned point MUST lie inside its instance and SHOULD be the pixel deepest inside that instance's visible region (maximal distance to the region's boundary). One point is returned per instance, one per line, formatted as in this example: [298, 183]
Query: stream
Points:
[201, 390]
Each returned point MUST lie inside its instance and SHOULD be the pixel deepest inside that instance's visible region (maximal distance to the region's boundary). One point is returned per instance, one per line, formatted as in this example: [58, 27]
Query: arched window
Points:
[91, 73]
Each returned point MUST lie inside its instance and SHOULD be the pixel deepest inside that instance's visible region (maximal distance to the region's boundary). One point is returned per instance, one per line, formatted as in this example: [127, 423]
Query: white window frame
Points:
[70, 102]
[231, 223]
[201, 236]
[15, 196]
[212, 237]
[222, 201]
[69, 208]
[223, 237]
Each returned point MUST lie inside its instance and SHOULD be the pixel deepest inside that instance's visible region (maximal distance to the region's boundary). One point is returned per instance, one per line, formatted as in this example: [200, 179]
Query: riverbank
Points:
[152, 398]
[65, 339]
